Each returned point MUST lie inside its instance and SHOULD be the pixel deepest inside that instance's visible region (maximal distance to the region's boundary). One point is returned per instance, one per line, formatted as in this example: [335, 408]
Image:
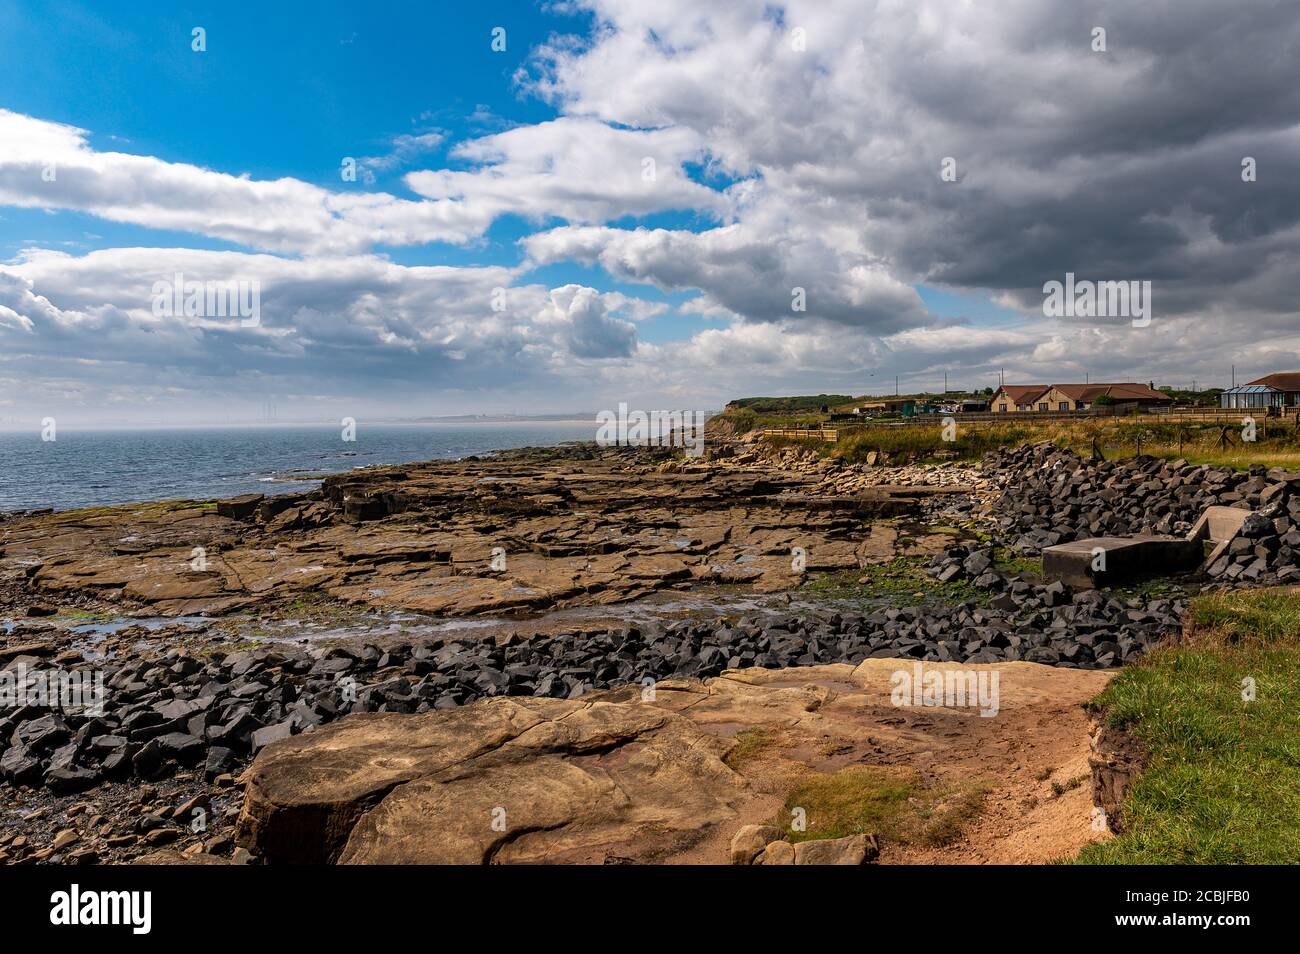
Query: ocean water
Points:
[95, 468]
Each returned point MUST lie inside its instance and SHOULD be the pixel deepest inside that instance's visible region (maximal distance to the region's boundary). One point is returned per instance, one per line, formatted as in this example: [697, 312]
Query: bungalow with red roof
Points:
[1073, 397]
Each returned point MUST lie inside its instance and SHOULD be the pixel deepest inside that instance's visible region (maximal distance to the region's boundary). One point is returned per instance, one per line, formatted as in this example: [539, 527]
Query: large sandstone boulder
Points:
[503, 780]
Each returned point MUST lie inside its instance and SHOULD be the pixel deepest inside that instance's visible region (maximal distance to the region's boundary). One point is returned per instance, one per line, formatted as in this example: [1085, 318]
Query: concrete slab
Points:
[1219, 523]
[1110, 561]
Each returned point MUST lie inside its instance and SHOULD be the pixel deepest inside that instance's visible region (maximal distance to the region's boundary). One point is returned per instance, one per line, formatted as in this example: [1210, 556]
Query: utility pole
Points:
[1234, 375]
[945, 383]
[895, 385]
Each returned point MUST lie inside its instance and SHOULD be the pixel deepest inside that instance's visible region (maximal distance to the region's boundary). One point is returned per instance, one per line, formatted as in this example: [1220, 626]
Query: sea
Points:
[102, 467]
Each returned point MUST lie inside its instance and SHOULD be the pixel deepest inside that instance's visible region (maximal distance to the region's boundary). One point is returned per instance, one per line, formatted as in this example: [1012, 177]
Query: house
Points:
[1074, 397]
[1016, 397]
[1281, 389]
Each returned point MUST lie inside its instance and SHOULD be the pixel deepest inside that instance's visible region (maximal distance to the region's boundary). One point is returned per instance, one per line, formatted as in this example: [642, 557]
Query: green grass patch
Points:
[1222, 783]
[898, 805]
[802, 402]
[749, 744]
[236, 646]
[902, 578]
[1256, 616]
[88, 616]
[926, 443]
[1009, 563]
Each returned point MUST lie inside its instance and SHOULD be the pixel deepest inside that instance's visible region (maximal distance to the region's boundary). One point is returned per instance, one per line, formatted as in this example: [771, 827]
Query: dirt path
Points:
[1030, 759]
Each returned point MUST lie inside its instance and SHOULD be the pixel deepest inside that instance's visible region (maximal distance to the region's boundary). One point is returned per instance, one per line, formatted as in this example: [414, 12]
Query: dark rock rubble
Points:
[1053, 496]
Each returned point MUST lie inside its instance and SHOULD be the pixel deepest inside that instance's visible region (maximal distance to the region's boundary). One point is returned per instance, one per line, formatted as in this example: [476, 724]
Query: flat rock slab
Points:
[629, 776]
[515, 534]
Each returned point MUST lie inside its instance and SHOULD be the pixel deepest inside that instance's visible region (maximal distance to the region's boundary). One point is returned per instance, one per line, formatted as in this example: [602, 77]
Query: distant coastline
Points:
[87, 467]
[34, 426]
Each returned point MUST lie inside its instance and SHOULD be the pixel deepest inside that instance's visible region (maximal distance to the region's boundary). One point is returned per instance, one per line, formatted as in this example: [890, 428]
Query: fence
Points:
[828, 434]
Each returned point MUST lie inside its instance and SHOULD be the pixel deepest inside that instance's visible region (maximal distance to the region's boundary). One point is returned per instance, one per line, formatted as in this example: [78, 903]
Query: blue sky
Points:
[283, 89]
[795, 150]
[287, 92]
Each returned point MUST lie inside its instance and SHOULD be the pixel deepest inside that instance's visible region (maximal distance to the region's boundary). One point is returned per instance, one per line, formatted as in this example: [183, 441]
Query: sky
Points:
[540, 208]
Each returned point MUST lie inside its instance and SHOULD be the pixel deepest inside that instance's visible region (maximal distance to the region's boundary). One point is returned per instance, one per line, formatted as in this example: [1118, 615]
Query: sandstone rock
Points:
[170, 856]
[239, 508]
[777, 853]
[508, 779]
[25, 649]
[853, 850]
[421, 537]
[748, 843]
[607, 777]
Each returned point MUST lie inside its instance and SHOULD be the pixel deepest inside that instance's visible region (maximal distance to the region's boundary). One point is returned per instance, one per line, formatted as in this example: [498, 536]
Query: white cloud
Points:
[340, 325]
[403, 150]
[1122, 165]
[581, 316]
[581, 170]
[746, 273]
[1117, 166]
[576, 169]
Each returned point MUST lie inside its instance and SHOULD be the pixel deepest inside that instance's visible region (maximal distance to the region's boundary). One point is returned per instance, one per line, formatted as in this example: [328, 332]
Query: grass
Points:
[927, 443]
[236, 646]
[1259, 616]
[1059, 788]
[1238, 459]
[88, 616]
[749, 745]
[1222, 783]
[898, 805]
[1009, 563]
[1277, 443]
[804, 402]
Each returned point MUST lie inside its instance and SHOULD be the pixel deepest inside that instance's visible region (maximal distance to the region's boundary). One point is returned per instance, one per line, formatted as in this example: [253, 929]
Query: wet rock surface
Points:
[523, 531]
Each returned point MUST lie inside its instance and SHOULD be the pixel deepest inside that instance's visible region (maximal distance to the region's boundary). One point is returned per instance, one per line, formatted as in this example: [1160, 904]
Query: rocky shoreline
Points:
[185, 713]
